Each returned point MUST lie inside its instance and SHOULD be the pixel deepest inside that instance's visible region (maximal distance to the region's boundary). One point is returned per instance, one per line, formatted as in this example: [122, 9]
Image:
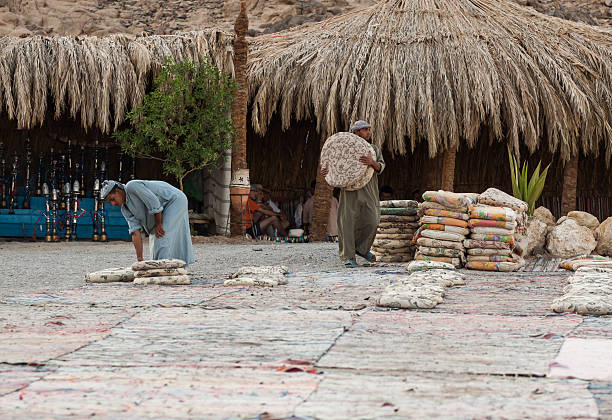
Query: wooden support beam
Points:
[448, 169]
[570, 182]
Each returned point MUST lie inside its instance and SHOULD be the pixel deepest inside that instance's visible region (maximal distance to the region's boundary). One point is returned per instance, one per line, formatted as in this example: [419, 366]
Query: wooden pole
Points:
[448, 169]
[320, 211]
[239, 112]
[570, 182]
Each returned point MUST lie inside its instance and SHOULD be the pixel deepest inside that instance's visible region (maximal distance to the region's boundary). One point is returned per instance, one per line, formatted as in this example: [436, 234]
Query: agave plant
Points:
[528, 190]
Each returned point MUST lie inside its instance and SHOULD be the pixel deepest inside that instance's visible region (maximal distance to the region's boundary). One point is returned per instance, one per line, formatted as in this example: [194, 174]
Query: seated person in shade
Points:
[267, 201]
[386, 193]
[307, 210]
[332, 221]
[254, 217]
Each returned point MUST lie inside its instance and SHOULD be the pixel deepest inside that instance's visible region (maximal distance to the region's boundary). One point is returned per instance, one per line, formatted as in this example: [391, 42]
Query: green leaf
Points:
[537, 190]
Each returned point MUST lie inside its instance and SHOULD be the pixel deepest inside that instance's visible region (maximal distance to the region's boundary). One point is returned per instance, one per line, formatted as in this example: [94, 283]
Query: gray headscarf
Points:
[107, 187]
[359, 125]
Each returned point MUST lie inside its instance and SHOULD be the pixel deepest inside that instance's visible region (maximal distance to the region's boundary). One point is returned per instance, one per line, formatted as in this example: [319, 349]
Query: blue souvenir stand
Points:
[29, 223]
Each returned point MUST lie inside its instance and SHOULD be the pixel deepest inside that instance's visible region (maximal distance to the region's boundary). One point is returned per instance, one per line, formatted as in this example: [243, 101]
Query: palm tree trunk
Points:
[570, 181]
[239, 111]
[320, 211]
[448, 169]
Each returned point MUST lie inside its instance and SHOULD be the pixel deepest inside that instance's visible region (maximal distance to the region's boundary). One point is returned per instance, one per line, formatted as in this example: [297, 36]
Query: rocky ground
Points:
[104, 17]
[315, 348]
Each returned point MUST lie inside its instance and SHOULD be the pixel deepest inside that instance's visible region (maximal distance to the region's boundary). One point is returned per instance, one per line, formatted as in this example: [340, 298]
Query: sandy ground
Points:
[315, 348]
[34, 267]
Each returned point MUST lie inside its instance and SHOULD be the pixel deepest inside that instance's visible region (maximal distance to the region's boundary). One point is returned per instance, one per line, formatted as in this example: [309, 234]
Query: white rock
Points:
[604, 238]
[584, 219]
[544, 215]
[536, 235]
[569, 239]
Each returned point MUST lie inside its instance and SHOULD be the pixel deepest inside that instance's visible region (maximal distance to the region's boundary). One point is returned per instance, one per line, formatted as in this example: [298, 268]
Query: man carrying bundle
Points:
[358, 210]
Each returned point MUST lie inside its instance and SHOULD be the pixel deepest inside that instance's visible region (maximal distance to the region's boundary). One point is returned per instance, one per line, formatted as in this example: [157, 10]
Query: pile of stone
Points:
[165, 271]
[589, 292]
[263, 276]
[443, 227]
[492, 239]
[398, 222]
[423, 288]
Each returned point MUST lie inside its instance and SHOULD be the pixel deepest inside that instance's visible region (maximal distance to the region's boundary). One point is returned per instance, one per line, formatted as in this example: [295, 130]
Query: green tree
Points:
[185, 122]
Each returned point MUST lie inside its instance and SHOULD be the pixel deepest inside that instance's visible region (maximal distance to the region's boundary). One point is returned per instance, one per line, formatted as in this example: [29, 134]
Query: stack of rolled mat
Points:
[398, 222]
[443, 226]
[166, 271]
[492, 239]
[497, 198]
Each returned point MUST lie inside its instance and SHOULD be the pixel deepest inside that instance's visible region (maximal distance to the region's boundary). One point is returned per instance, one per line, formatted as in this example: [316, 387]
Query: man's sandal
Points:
[351, 263]
[369, 257]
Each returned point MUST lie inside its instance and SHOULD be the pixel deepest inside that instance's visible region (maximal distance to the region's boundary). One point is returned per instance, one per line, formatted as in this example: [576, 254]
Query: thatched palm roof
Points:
[441, 71]
[93, 80]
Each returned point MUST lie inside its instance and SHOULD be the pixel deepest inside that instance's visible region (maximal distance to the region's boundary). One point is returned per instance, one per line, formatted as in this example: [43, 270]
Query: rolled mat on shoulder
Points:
[340, 155]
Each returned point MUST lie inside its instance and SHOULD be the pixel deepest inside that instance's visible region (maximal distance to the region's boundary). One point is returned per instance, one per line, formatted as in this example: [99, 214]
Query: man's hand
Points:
[159, 231]
[368, 161]
[324, 172]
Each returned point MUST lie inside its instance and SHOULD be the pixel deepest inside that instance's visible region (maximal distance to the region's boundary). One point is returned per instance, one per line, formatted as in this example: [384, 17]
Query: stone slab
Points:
[193, 336]
[38, 335]
[452, 343]
[430, 395]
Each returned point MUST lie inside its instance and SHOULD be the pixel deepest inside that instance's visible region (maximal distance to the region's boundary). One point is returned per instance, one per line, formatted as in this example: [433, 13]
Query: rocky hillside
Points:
[102, 17]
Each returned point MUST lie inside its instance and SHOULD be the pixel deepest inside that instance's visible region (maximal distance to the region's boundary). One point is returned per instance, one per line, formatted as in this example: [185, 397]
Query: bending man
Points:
[359, 211]
[156, 209]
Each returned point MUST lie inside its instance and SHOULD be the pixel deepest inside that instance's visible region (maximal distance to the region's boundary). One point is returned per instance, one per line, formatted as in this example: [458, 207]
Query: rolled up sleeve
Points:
[133, 223]
[380, 160]
[147, 196]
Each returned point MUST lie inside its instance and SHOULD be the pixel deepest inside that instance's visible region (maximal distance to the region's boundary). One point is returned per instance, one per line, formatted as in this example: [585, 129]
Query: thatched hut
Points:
[448, 86]
[79, 89]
